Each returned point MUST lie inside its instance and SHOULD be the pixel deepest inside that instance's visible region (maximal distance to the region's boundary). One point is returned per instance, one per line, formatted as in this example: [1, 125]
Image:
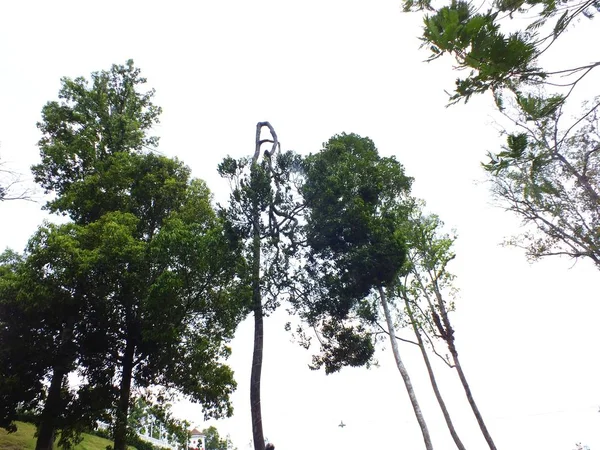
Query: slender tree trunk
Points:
[52, 406]
[125, 391]
[469, 394]
[404, 372]
[255, 405]
[447, 333]
[257, 307]
[434, 385]
[257, 355]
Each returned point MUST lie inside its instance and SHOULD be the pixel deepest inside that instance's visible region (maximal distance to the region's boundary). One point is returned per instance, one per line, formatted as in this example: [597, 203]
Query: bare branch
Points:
[384, 331]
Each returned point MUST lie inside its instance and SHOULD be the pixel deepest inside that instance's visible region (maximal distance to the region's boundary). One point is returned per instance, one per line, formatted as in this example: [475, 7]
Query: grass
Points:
[23, 439]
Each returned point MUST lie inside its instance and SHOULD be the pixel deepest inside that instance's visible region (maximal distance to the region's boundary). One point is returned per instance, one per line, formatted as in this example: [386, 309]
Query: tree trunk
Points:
[124, 393]
[52, 406]
[447, 333]
[257, 307]
[257, 354]
[255, 406]
[404, 373]
[463, 380]
[47, 427]
[434, 385]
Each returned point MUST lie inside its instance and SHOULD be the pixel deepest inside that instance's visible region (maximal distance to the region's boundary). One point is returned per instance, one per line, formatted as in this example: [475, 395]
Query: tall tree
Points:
[417, 328]
[262, 214]
[428, 292]
[356, 204]
[168, 300]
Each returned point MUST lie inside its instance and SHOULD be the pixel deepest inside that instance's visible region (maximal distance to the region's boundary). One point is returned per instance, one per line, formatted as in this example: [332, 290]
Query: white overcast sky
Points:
[527, 334]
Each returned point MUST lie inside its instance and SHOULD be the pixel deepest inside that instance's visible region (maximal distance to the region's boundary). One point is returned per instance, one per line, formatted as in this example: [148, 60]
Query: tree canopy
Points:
[143, 283]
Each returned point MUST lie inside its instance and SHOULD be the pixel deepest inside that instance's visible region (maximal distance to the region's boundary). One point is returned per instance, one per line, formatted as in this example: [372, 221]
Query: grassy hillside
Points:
[23, 440]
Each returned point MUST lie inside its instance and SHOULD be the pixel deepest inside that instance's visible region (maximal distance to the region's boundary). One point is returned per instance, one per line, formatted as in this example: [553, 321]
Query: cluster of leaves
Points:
[265, 190]
[355, 200]
[495, 59]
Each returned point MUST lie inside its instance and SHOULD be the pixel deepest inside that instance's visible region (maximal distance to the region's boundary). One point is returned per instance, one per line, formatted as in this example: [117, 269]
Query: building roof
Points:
[195, 432]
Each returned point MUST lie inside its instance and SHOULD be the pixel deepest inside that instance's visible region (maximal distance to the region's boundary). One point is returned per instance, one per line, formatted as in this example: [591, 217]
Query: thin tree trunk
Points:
[447, 333]
[125, 391]
[257, 307]
[257, 357]
[463, 380]
[469, 394]
[434, 385]
[404, 373]
[52, 406]
[257, 354]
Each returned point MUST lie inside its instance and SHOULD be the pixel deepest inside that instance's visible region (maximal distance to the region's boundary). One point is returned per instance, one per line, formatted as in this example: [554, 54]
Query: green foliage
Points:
[38, 305]
[151, 413]
[214, 441]
[427, 284]
[477, 43]
[170, 271]
[352, 198]
[91, 124]
[343, 345]
[20, 379]
[497, 60]
[143, 286]
[355, 202]
[265, 190]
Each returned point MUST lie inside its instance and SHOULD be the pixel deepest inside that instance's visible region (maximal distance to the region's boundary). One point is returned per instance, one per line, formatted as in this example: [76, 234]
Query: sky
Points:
[527, 333]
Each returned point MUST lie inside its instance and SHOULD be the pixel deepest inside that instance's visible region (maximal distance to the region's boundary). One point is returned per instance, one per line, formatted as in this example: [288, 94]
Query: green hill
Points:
[23, 440]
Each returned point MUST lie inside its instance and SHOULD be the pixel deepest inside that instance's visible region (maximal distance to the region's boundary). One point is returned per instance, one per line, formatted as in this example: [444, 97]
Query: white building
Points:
[197, 440]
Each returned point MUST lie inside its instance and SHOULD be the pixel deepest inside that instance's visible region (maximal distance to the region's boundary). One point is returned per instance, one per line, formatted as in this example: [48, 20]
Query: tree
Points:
[215, 442]
[262, 215]
[547, 173]
[356, 204]
[42, 299]
[22, 366]
[438, 395]
[90, 133]
[168, 298]
[424, 288]
[150, 415]
[551, 179]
